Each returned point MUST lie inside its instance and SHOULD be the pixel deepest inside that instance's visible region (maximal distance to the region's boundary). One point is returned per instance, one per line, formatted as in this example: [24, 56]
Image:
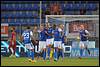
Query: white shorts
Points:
[29, 46]
[62, 46]
[42, 45]
[57, 44]
[83, 44]
[49, 41]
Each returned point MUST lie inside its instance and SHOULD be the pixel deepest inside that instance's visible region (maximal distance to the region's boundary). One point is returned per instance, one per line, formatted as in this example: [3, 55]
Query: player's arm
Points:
[32, 38]
[21, 37]
[47, 33]
[65, 39]
[87, 34]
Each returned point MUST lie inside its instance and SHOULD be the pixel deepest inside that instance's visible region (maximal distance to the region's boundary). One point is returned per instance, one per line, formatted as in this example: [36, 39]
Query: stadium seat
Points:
[68, 7]
[29, 7]
[29, 14]
[35, 7]
[35, 14]
[81, 6]
[3, 6]
[74, 7]
[44, 7]
[62, 6]
[91, 7]
[5, 20]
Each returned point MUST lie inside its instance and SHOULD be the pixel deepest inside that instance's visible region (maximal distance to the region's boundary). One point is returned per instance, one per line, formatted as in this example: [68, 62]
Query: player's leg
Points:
[62, 50]
[55, 50]
[28, 51]
[44, 50]
[48, 48]
[40, 49]
[81, 44]
[32, 52]
[59, 49]
[86, 47]
[14, 48]
[11, 49]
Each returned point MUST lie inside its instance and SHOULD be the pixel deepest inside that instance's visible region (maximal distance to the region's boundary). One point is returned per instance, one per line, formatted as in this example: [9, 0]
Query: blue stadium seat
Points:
[2, 15]
[3, 6]
[29, 14]
[74, 7]
[6, 20]
[62, 6]
[12, 21]
[32, 20]
[36, 7]
[81, 6]
[17, 14]
[10, 7]
[35, 14]
[44, 7]
[22, 6]
[17, 7]
[92, 6]
[29, 7]
[68, 7]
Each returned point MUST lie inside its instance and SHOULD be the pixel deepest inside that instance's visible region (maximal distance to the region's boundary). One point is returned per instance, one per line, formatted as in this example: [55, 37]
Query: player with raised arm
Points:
[27, 36]
[49, 39]
[84, 34]
[61, 48]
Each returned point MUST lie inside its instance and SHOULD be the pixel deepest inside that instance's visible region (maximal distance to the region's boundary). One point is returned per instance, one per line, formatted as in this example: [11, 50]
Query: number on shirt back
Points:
[26, 35]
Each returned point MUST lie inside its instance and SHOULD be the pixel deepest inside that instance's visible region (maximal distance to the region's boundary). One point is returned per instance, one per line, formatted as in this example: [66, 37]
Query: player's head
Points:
[54, 26]
[35, 27]
[41, 27]
[12, 29]
[82, 27]
[48, 25]
[61, 26]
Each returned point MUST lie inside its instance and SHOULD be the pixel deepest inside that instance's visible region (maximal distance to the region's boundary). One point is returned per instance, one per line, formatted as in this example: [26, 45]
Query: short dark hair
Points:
[28, 27]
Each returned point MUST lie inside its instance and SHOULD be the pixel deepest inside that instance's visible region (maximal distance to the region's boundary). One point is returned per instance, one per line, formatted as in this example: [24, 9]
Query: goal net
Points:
[72, 23]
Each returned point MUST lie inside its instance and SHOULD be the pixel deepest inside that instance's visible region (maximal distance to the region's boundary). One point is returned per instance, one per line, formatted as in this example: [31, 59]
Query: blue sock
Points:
[55, 54]
[62, 53]
[38, 55]
[44, 55]
[32, 55]
[58, 53]
[48, 51]
[81, 52]
[28, 53]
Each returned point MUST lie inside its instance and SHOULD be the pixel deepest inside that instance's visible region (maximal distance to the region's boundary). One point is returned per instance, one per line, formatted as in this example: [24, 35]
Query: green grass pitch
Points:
[23, 61]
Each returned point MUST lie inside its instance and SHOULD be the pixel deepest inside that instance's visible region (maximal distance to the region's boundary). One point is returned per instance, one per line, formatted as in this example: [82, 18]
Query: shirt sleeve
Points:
[22, 34]
[59, 29]
[86, 31]
[31, 33]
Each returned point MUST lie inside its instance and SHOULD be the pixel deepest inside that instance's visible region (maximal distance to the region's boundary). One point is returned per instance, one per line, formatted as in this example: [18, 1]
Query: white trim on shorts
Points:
[57, 44]
[29, 46]
[83, 43]
[42, 45]
[49, 41]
